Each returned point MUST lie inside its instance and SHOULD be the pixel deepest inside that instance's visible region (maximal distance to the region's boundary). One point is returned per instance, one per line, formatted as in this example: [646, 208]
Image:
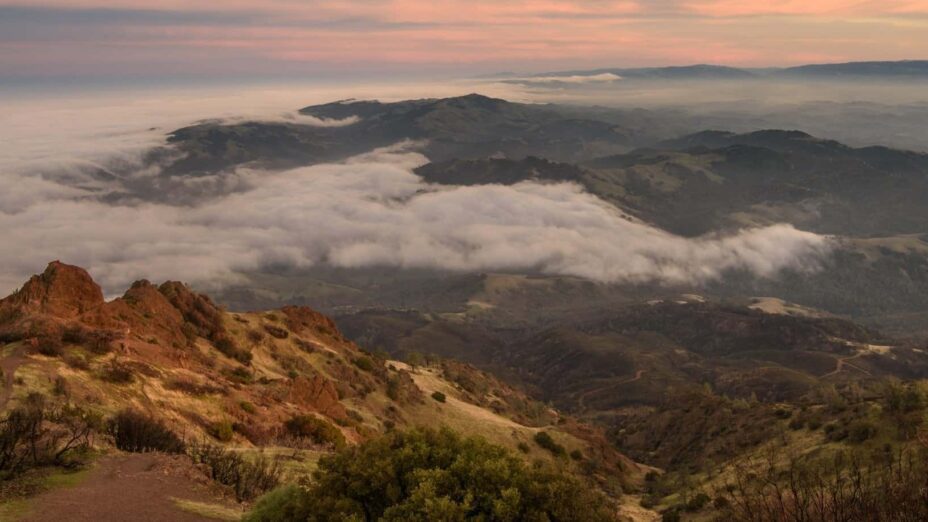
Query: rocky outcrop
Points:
[62, 291]
[319, 394]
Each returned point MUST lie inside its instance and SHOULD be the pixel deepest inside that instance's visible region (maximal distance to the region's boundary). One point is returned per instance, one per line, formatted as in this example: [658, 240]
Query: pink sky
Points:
[136, 37]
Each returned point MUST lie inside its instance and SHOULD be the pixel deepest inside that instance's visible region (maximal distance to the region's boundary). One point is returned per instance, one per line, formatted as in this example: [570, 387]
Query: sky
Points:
[219, 39]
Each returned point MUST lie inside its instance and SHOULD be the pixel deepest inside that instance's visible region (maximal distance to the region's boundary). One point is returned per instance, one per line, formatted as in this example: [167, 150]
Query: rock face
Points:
[62, 291]
[319, 394]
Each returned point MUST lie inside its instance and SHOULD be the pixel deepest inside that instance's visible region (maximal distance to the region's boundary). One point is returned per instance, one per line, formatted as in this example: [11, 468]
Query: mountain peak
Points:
[62, 290]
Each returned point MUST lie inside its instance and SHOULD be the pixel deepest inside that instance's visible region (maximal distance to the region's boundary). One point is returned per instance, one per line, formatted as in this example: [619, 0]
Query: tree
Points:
[423, 475]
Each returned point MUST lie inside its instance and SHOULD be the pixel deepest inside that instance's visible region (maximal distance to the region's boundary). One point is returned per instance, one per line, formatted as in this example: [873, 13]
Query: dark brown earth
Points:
[130, 487]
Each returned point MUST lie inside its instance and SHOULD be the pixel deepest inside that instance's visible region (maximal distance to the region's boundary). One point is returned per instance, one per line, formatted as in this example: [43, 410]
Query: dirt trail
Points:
[842, 362]
[9, 365]
[136, 487]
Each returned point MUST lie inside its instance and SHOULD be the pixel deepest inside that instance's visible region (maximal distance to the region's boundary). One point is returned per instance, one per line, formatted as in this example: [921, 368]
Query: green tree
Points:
[424, 475]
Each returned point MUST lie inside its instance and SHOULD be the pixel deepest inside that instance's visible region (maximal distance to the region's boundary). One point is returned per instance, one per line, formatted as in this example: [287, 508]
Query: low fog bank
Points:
[372, 210]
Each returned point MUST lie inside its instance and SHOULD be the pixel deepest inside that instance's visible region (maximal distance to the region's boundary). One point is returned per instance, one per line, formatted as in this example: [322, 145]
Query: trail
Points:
[842, 362]
[581, 400]
[131, 487]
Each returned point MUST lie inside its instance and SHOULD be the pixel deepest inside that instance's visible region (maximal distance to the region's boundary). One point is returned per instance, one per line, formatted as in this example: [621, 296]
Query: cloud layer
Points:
[373, 210]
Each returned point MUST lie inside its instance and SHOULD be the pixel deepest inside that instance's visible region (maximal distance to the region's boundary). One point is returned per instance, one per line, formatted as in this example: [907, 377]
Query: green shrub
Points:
[433, 475]
[283, 503]
[248, 407]
[544, 439]
[137, 432]
[861, 430]
[576, 454]
[438, 396]
[365, 363]
[316, 430]
[222, 431]
[227, 346]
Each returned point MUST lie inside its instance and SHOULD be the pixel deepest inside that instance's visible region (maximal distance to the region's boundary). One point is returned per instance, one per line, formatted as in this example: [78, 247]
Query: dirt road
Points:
[136, 487]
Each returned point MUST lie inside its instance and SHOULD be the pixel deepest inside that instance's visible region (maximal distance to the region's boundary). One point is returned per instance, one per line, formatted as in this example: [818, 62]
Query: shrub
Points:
[861, 430]
[315, 429]
[49, 346]
[192, 388]
[35, 433]
[118, 373]
[523, 447]
[282, 503]
[228, 348]
[248, 407]
[276, 331]
[365, 363]
[138, 433]
[697, 502]
[255, 336]
[248, 478]
[77, 362]
[576, 454]
[439, 396]
[544, 439]
[433, 475]
[241, 375]
[222, 431]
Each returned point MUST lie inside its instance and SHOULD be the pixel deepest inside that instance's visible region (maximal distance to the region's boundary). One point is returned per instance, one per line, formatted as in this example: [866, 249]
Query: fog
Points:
[371, 210]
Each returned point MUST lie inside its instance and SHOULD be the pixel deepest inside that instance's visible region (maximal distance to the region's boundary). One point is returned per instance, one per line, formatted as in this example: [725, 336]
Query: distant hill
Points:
[685, 72]
[898, 70]
[872, 70]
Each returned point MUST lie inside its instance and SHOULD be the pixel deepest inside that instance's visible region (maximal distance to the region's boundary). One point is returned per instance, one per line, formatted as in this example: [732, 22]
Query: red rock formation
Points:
[62, 291]
[319, 394]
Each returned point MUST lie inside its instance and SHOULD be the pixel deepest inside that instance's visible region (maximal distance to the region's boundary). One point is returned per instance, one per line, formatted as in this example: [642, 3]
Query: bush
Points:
[255, 336]
[433, 475]
[248, 478]
[576, 454]
[49, 346]
[698, 502]
[248, 407]
[222, 431]
[35, 433]
[118, 373]
[276, 331]
[365, 363]
[228, 348]
[439, 396]
[861, 430]
[283, 503]
[315, 429]
[138, 433]
[543, 439]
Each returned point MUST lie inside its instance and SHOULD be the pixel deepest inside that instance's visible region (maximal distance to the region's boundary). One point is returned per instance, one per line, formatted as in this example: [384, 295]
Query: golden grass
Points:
[203, 509]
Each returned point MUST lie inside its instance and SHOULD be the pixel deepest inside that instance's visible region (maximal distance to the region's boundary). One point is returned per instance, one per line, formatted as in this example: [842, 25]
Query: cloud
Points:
[571, 79]
[372, 210]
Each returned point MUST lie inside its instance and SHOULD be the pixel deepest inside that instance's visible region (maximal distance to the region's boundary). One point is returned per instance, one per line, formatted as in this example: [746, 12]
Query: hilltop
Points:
[239, 379]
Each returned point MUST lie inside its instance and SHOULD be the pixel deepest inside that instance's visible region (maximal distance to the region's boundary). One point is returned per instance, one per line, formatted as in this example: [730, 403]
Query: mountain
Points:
[238, 379]
[885, 70]
[904, 69]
